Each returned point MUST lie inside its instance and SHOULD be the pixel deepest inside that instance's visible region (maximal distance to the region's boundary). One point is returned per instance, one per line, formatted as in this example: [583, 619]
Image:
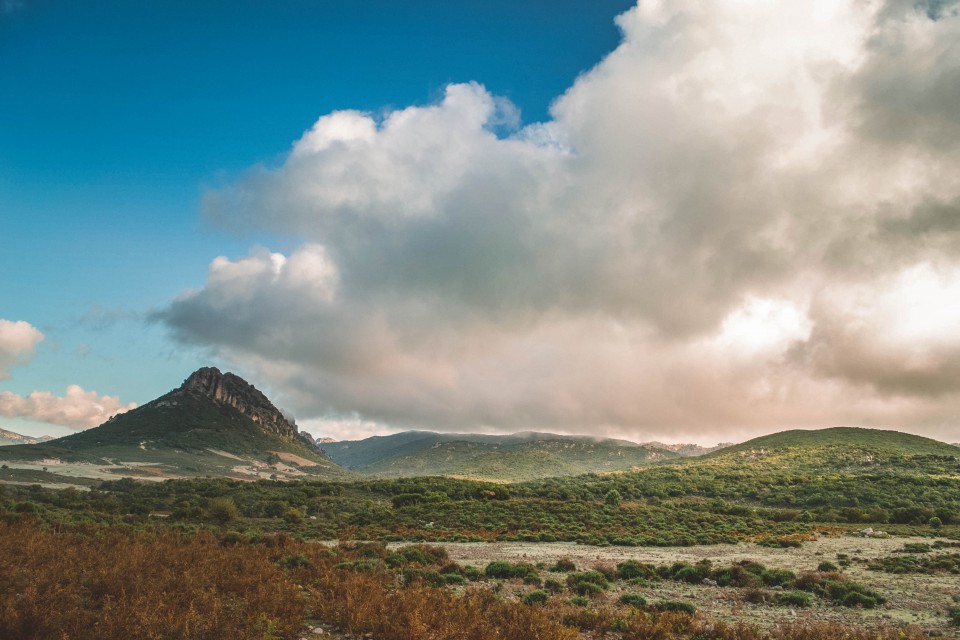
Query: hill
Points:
[501, 458]
[839, 449]
[214, 424]
[9, 437]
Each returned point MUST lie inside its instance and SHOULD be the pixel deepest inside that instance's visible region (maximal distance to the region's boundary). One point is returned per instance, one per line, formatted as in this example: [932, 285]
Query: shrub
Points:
[431, 578]
[858, 599]
[827, 566]
[471, 572]
[631, 569]
[579, 601]
[222, 510]
[294, 561]
[553, 586]
[587, 583]
[608, 572]
[564, 565]
[633, 599]
[499, 569]
[755, 596]
[736, 576]
[536, 597]
[778, 577]
[954, 615]
[792, 599]
[678, 606]
[453, 578]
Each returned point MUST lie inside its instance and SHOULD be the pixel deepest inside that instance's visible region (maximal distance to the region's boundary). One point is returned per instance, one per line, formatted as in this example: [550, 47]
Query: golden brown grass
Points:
[112, 584]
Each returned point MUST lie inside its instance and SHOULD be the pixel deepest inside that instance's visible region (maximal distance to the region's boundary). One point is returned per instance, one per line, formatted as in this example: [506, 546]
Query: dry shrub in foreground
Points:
[111, 584]
[115, 585]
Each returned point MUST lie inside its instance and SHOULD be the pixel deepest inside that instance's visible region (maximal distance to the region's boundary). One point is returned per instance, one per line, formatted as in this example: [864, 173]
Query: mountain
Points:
[502, 458]
[213, 424]
[9, 437]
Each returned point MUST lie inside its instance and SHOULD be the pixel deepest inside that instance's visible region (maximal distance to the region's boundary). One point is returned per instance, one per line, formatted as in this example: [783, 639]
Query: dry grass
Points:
[112, 584]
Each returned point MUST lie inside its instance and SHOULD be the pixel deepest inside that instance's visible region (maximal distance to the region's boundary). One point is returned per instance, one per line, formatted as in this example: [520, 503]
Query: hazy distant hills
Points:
[219, 425]
[9, 437]
[214, 424]
[503, 458]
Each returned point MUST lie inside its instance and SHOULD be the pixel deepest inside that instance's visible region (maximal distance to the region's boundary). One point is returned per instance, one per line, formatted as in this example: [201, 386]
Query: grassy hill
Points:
[182, 434]
[843, 449]
[509, 458]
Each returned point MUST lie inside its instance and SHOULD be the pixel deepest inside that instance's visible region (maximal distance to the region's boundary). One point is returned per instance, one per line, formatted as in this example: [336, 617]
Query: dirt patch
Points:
[294, 459]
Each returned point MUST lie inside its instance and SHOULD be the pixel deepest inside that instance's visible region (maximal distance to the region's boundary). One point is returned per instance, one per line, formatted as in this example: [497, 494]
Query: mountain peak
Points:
[230, 389]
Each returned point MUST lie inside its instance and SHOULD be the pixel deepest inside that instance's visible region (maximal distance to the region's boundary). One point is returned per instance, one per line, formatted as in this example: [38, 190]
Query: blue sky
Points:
[691, 220]
[115, 115]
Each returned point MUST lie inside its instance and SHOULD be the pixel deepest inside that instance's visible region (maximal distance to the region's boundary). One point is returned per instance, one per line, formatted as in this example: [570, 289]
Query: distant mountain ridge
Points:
[10, 437]
[213, 424]
[505, 458]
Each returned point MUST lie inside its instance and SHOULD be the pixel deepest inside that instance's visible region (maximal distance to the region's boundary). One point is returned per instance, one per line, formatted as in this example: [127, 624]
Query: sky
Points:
[681, 220]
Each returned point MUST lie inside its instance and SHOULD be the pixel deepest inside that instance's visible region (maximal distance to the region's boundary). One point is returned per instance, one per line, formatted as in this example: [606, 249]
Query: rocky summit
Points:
[232, 390]
[214, 424]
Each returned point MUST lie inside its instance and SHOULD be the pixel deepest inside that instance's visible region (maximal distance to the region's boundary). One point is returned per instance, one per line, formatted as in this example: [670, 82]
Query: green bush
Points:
[536, 597]
[633, 599]
[792, 599]
[587, 583]
[631, 569]
[826, 566]
[954, 615]
[579, 601]
[564, 565]
[778, 577]
[499, 569]
[472, 573]
[553, 586]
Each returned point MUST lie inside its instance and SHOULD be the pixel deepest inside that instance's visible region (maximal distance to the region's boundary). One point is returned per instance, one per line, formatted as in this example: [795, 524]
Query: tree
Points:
[613, 498]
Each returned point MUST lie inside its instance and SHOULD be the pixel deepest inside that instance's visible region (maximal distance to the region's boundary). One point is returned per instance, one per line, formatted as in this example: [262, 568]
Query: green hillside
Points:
[844, 449]
[880, 440]
[517, 459]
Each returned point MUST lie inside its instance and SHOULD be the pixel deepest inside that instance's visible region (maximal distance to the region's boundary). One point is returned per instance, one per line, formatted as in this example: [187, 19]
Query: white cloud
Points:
[665, 254]
[17, 342]
[78, 408]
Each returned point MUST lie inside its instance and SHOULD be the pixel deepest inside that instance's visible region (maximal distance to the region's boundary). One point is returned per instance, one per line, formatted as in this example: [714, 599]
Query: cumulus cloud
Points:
[78, 408]
[17, 342]
[743, 218]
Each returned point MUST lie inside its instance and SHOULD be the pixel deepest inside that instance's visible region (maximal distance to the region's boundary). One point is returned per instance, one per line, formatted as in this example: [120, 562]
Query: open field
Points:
[914, 599]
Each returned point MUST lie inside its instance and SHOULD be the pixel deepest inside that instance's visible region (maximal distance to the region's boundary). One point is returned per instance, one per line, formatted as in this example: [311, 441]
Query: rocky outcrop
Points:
[234, 391]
